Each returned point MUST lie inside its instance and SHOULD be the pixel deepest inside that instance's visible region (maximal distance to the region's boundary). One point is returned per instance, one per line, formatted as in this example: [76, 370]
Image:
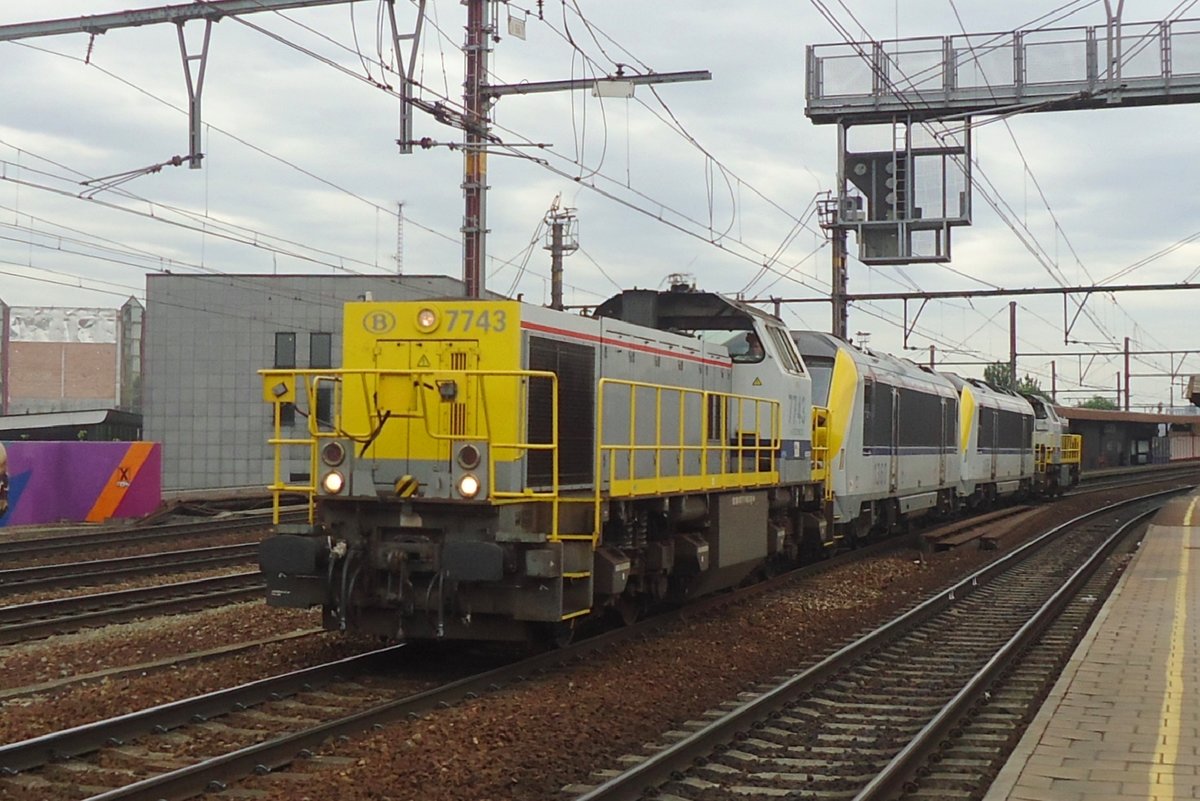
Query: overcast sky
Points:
[301, 172]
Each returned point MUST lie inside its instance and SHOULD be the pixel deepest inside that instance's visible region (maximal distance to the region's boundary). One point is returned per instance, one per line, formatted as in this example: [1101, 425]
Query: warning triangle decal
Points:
[757, 382]
[423, 361]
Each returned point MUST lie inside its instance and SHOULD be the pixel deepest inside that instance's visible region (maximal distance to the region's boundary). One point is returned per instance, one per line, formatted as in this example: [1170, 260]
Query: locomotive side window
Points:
[878, 400]
[1013, 431]
[920, 419]
[950, 424]
[987, 430]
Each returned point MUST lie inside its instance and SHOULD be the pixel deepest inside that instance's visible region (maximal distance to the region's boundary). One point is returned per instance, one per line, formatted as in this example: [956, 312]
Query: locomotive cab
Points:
[1057, 450]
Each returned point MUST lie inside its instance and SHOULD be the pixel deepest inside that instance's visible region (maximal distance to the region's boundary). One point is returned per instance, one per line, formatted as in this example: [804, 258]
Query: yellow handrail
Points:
[820, 446]
[740, 454]
[1072, 448]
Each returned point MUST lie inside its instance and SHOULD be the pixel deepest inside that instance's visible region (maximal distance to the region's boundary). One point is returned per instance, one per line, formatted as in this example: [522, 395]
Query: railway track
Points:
[291, 707]
[39, 619]
[125, 773]
[917, 706]
[1134, 476]
[100, 571]
[273, 720]
[33, 546]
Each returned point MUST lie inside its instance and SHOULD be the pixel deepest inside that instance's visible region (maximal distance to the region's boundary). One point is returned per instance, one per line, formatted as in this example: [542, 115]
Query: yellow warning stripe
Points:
[1166, 755]
[406, 486]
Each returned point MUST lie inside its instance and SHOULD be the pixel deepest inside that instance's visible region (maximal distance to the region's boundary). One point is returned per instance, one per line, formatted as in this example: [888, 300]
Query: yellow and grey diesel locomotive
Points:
[495, 470]
[498, 470]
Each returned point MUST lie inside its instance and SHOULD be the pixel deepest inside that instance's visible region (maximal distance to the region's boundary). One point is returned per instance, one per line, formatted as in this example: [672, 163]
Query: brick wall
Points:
[61, 376]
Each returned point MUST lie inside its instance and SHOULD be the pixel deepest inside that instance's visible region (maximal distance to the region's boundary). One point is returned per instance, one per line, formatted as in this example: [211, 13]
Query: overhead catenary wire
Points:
[765, 251]
[1029, 241]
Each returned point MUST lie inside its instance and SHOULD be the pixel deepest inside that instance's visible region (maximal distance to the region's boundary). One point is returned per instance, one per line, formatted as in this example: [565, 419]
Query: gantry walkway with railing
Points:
[1042, 69]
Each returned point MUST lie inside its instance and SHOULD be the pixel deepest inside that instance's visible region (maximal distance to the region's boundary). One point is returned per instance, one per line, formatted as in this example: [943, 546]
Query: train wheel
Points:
[558, 635]
[628, 610]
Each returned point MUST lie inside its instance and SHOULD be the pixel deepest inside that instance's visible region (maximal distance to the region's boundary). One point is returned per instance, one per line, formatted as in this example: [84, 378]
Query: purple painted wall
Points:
[48, 482]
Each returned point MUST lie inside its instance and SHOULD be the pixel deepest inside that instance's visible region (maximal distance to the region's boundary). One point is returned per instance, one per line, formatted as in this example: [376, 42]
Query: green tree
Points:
[1097, 402]
[998, 374]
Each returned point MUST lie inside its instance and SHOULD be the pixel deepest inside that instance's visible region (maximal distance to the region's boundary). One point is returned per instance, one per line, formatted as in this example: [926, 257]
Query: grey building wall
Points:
[206, 338]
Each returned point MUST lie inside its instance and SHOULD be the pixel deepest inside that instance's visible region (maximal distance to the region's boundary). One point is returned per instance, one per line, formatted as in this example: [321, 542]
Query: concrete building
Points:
[207, 336]
[55, 359]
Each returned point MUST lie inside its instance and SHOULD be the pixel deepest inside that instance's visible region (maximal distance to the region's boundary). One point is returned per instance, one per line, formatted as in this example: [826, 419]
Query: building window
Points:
[285, 349]
[320, 357]
[285, 358]
[320, 350]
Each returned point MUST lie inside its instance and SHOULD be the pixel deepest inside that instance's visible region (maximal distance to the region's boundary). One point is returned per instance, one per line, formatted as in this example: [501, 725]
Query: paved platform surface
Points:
[1123, 720]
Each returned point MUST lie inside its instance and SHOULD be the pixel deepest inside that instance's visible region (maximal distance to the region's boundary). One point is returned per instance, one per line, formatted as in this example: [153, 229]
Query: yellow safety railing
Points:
[820, 447]
[1072, 448]
[279, 388]
[1041, 456]
[727, 454]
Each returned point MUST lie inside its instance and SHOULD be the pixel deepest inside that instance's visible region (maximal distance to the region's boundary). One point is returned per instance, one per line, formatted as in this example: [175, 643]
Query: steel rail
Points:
[73, 574]
[22, 622]
[668, 762]
[38, 751]
[211, 774]
[93, 538]
[900, 770]
[266, 756]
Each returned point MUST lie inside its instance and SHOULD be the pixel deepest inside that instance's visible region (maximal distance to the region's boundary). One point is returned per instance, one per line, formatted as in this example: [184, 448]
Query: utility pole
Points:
[478, 96]
[563, 239]
[1126, 373]
[1053, 382]
[840, 322]
[1012, 343]
[400, 238]
[474, 186]
[827, 212]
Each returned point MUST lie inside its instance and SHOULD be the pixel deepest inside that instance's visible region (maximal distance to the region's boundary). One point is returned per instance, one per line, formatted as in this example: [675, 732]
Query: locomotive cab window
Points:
[745, 348]
[821, 370]
[786, 348]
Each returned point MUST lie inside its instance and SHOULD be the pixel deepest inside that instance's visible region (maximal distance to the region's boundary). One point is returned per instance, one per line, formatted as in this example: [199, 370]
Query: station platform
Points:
[1123, 720]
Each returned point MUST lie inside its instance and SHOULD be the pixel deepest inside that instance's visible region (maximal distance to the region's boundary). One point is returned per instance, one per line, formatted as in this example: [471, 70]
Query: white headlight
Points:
[333, 482]
[427, 319]
[468, 486]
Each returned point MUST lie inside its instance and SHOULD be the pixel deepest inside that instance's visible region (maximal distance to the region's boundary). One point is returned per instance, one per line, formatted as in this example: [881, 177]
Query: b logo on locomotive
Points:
[379, 322]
